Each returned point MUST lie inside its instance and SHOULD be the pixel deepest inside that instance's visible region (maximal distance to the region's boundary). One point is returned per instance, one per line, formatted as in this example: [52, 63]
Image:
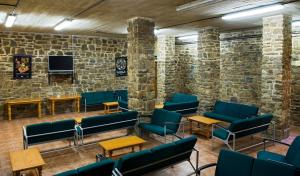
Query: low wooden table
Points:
[206, 123]
[26, 160]
[54, 99]
[108, 105]
[120, 143]
[10, 103]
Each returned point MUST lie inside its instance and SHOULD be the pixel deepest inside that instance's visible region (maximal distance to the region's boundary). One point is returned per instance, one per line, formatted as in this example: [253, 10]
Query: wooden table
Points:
[54, 99]
[10, 103]
[120, 143]
[26, 160]
[206, 123]
[159, 106]
[108, 105]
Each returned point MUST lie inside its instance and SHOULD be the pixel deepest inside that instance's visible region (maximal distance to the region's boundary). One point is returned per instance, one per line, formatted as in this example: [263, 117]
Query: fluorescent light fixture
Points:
[188, 37]
[63, 24]
[10, 20]
[156, 31]
[192, 4]
[296, 24]
[253, 12]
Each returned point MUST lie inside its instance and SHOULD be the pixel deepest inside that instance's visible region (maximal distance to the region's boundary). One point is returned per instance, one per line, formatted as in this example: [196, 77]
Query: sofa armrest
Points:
[220, 126]
[24, 132]
[205, 167]
[116, 172]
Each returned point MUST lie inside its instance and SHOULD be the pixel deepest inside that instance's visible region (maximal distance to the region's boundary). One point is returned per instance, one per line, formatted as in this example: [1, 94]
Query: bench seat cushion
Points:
[221, 117]
[155, 129]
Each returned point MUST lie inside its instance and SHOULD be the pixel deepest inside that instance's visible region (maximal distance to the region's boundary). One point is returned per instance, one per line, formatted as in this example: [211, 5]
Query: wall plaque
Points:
[22, 66]
[121, 66]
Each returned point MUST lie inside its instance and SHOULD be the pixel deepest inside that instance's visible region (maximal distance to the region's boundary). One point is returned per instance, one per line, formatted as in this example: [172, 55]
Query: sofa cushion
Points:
[181, 97]
[233, 164]
[104, 167]
[155, 129]
[122, 94]
[39, 128]
[161, 117]
[221, 117]
[248, 111]
[108, 96]
[68, 173]
[270, 156]
[271, 168]
[293, 154]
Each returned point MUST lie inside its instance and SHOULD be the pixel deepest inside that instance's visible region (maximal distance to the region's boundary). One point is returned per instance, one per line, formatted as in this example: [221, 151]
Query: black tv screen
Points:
[60, 63]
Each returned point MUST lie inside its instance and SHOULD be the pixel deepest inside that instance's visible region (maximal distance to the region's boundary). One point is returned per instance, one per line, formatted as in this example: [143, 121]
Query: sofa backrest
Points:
[158, 157]
[235, 110]
[293, 154]
[182, 107]
[161, 117]
[98, 97]
[233, 164]
[258, 124]
[123, 94]
[182, 97]
[109, 122]
[272, 168]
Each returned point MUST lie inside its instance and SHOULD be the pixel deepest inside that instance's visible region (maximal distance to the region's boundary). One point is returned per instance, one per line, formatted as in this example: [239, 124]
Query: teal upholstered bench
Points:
[105, 123]
[230, 112]
[182, 103]
[236, 164]
[48, 131]
[157, 158]
[241, 128]
[97, 98]
[104, 168]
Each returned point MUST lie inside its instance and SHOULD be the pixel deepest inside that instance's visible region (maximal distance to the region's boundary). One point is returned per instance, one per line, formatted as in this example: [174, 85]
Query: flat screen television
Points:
[60, 64]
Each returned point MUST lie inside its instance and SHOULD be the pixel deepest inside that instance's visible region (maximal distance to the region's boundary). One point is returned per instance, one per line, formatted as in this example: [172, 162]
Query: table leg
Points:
[140, 147]
[17, 173]
[191, 127]
[110, 153]
[39, 110]
[40, 171]
[78, 105]
[53, 107]
[9, 111]
[132, 149]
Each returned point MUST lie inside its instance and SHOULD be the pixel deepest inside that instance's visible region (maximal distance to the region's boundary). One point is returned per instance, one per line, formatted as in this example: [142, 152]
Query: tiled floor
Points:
[11, 139]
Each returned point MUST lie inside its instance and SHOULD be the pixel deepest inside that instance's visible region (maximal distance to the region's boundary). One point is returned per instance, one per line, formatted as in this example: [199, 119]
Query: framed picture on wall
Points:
[22, 66]
[121, 66]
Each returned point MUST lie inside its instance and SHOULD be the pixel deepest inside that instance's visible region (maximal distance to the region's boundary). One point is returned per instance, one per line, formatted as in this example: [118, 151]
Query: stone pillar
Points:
[276, 70]
[166, 67]
[141, 65]
[207, 77]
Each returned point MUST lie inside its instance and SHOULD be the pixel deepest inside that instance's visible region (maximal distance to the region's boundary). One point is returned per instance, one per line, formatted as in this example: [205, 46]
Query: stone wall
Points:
[240, 73]
[94, 61]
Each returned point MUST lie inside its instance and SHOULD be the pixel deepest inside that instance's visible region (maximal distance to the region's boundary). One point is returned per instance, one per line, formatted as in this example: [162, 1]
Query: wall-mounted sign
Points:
[22, 67]
[121, 66]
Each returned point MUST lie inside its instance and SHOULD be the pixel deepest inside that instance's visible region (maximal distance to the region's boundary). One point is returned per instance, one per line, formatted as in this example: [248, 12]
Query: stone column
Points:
[166, 67]
[207, 77]
[276, 70]
[141, 65]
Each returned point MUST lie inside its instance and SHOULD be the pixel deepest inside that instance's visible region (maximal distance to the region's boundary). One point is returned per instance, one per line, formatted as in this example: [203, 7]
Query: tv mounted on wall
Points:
[60, 64]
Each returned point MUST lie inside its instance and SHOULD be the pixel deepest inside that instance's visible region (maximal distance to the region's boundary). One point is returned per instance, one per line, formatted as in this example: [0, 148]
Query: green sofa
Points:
[156, 158]
[241, 128]
[182, 103]
[104, 168]
[292, 156]
[97, 98]
[162, 123]
[48, 131]
[122, 96]
[230, 112]
[237, 164]
[99, 124]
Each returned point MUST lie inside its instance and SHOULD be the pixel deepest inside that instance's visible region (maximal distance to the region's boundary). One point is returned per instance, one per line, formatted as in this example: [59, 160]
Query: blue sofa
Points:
[292, 156]
[182, 103]
[48, 131]
[105, 123]
[237, 164]
[122, 96]
[230, 112]
[241, 128]
[104, 168]
[97, 98]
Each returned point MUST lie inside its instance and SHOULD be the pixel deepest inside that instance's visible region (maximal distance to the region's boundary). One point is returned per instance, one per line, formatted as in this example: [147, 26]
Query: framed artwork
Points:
[22, 67]
[121, 66]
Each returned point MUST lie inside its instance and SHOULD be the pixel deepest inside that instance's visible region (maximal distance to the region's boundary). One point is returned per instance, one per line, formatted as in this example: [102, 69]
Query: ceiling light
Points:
[253, 12]
[296, 24]
[156, 31]
[188, 38]
[63, 24]
[192, 4]
[10, 20]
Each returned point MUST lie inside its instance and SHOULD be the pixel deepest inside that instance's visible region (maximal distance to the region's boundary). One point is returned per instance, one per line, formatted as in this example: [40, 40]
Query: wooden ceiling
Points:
[110, 16]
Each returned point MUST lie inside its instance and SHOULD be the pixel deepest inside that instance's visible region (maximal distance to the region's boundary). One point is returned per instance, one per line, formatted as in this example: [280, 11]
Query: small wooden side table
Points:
[26, 160]
[54, 99]
[120, 143]
[108, 105]
[206, 123]
[10, 103]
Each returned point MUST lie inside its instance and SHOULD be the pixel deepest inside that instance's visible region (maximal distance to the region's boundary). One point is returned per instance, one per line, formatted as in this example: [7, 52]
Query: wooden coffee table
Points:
[205, 122]
[26, 160]
[120, 143]
[108, 105]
